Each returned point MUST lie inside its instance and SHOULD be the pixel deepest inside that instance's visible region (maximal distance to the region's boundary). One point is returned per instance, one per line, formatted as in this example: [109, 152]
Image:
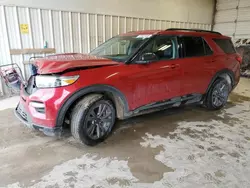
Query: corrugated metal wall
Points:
[232, 18]
[67, 31]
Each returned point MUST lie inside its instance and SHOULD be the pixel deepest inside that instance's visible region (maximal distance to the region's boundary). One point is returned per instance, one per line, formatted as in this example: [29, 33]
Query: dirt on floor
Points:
[182, 147]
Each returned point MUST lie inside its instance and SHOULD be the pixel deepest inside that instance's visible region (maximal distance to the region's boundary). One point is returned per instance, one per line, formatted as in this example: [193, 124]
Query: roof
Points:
[174, 31]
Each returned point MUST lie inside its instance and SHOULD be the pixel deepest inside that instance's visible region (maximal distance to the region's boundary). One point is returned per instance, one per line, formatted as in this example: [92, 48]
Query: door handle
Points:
[210, 61]
[173, 66]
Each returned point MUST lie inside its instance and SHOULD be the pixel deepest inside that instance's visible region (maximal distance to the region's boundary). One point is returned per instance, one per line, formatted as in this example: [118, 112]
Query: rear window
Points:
[226, 45]
[194, 46]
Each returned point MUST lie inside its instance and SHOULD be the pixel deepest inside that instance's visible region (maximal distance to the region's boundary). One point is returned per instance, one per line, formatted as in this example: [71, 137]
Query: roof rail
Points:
[195, 30]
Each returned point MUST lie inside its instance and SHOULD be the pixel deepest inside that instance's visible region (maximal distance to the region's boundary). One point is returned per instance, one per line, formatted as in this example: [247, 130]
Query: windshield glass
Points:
[120, 48]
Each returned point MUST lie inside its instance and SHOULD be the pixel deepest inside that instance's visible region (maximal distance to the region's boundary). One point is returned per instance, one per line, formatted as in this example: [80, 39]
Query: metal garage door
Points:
[232, 18]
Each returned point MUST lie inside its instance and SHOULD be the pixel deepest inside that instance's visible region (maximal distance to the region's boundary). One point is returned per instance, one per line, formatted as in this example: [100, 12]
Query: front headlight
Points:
[54, 81]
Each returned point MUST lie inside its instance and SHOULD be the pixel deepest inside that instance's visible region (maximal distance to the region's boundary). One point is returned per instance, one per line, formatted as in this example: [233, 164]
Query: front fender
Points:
[103, 89]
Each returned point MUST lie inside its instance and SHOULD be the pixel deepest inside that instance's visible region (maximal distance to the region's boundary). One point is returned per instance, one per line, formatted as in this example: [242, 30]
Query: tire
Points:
[88, 125]
[217, 95]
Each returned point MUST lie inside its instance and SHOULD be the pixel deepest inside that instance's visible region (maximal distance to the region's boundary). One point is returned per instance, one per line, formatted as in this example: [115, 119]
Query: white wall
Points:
[200, 11]
[81, 25]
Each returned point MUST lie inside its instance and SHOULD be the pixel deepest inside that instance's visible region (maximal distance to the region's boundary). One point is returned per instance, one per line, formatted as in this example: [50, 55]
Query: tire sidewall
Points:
[210, 95]
[82, 125]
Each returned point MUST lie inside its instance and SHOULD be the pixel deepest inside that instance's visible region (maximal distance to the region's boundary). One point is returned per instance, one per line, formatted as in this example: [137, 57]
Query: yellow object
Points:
[70, 81]
[24, 28]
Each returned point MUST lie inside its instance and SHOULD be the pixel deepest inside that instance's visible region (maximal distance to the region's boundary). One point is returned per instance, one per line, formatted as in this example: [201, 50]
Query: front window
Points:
[163, 47]
[120, 48]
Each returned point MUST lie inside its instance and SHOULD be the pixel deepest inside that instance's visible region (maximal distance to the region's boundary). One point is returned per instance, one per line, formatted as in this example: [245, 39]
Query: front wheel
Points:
[218, 95]
[92, 120]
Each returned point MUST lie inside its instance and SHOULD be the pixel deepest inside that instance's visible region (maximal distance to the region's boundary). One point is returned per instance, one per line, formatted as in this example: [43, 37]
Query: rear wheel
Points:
[92, 120]
[218, 94]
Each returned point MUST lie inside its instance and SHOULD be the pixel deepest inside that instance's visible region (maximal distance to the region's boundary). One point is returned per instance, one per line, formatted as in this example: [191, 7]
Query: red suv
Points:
[129, 75]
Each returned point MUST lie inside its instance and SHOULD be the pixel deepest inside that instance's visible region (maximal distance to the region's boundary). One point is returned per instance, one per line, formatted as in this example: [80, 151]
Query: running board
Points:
[174, 102]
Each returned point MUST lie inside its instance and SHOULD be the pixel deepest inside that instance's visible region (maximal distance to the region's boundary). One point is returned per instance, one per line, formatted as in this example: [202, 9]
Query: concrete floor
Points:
[187, 147]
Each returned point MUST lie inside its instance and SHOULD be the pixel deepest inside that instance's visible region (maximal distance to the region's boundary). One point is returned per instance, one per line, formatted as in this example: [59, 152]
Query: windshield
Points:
[120, 48]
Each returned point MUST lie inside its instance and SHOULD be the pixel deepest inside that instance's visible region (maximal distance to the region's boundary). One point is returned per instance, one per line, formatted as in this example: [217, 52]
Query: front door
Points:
[157, 80]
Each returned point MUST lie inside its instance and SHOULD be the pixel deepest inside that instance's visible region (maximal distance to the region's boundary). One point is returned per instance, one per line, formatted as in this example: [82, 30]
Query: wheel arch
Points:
[109, 92]
[226, 74]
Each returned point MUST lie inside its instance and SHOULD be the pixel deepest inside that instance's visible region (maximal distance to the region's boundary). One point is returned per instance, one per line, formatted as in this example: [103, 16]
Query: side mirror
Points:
[147, 57]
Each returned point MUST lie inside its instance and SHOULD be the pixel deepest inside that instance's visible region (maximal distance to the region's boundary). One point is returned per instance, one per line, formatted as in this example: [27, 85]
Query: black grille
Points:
[40, 110]
[21, 113]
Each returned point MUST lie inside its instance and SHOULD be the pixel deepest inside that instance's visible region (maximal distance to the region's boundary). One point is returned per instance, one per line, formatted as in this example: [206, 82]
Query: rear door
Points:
[196, 64]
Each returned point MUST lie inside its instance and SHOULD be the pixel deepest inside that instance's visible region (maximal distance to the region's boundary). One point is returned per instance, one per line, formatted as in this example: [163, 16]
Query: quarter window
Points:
[226, 45]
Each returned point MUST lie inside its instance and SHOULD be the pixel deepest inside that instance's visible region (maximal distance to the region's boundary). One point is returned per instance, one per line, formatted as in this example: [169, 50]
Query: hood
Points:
[62, 62]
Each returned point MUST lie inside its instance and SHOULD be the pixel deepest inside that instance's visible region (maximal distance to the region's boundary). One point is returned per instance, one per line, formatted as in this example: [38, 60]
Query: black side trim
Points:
[174, 102]
[218, 74]
[82, 92]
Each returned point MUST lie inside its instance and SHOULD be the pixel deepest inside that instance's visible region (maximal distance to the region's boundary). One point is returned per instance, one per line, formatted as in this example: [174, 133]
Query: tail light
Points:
[238, 58]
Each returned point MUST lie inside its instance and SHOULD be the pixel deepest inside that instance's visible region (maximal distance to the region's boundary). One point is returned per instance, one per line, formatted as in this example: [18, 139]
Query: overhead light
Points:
[164, 47]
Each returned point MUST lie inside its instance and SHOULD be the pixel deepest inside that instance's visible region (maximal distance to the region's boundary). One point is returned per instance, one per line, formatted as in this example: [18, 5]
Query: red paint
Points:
[61, 62]
[141, 84]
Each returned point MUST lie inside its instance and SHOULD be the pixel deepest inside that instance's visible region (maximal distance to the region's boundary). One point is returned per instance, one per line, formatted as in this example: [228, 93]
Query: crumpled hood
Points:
[62, 62]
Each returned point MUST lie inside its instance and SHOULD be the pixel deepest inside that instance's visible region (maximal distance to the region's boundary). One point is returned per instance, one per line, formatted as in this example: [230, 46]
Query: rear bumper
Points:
[25, 118]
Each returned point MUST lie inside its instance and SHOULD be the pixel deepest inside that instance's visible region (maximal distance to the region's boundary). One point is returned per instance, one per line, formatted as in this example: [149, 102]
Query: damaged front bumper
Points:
[25, 118]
